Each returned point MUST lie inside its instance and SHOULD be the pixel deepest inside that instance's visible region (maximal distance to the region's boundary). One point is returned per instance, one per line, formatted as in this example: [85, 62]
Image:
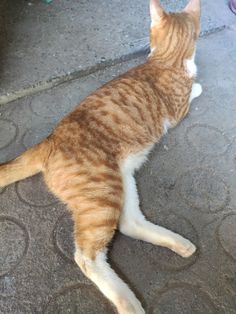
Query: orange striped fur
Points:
[82, 159]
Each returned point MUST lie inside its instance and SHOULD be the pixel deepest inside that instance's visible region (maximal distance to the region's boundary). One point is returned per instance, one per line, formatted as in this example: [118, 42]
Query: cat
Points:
[89, 160]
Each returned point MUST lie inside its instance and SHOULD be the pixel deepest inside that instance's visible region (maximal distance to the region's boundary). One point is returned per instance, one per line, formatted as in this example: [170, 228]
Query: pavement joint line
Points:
[212, 31]
[77, 74]
[56, 81]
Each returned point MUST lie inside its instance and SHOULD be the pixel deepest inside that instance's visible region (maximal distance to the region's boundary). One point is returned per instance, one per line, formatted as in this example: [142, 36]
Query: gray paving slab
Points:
[43, 44]
[188, 186]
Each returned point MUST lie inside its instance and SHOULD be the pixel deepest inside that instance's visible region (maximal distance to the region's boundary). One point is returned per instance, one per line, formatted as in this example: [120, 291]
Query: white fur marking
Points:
[151, 52]
[166, 125]
[196, 91]
[134, 224]
[135, 161]
[117, 291]
[191, 66]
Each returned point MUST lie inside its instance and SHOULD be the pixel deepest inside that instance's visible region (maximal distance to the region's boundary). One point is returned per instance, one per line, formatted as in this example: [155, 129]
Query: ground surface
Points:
[188, 186]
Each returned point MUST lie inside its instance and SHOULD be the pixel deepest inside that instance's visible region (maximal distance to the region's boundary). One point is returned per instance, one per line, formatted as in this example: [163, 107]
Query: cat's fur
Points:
[89, 160]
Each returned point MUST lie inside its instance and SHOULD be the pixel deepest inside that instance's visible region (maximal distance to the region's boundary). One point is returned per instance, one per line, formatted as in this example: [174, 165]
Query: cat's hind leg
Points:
[97, 269]
[94, 194]
[95, 220]
[133, 223]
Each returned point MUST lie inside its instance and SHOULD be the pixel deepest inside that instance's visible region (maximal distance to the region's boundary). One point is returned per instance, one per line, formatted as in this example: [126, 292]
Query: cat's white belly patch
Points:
[135, 161]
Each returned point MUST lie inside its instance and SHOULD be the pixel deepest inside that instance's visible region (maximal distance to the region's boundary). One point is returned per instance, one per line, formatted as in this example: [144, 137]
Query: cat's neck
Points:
[167, 78]
[167, 63]
[165, 60]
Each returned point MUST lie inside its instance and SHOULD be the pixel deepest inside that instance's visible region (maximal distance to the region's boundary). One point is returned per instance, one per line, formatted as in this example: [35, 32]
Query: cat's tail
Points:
[29, 163]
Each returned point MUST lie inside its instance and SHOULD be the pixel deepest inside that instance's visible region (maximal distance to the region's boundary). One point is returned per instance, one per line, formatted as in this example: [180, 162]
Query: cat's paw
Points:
[196, 90]
[188, 251]
[184, 248]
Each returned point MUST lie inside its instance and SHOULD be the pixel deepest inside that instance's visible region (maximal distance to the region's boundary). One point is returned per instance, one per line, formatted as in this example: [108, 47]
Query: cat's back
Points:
[126, 113]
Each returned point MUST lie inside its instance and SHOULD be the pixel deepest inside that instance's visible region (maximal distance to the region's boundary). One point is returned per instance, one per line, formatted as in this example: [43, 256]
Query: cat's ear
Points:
[193, 6]
[156, 12]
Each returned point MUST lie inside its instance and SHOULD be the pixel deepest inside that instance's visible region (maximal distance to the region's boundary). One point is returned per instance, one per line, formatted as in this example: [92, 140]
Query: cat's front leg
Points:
[133, 223]
[196, 91]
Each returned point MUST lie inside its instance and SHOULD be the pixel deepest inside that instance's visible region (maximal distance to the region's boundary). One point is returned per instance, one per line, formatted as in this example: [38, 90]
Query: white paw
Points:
[196, 90]
[184, 248]
[126, 306]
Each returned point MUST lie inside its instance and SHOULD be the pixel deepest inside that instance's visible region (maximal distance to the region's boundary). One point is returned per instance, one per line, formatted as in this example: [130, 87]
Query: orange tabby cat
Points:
[90, 158]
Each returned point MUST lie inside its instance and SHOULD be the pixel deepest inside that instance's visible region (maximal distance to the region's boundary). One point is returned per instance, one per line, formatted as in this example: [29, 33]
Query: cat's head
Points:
[174, 35]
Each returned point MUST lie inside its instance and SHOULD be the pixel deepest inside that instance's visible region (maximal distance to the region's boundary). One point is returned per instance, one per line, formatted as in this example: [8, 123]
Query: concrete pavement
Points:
[188, 186]
[44, 45]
